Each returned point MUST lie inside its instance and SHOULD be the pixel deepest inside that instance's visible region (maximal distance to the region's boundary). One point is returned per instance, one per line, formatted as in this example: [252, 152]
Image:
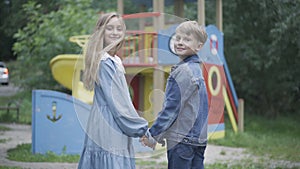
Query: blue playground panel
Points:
[58, 123]
[55, 124]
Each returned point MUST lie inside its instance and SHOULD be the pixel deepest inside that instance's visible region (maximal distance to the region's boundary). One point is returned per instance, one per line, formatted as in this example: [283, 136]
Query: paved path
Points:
[8, 90]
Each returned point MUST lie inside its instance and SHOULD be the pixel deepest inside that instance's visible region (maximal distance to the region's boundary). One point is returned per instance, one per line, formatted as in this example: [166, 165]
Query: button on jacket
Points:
[185, 110]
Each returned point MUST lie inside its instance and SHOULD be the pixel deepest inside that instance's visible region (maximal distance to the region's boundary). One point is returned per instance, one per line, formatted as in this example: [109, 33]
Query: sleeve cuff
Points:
[150, 138]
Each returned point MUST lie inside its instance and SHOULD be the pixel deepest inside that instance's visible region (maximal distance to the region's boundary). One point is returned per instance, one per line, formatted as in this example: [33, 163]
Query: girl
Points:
[113, 119]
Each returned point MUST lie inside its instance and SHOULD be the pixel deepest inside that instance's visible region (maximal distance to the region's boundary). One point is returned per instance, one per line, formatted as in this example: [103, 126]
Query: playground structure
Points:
[147, 57]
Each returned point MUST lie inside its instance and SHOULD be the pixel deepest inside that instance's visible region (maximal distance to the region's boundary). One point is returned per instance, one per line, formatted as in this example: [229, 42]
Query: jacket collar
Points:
[192, 58]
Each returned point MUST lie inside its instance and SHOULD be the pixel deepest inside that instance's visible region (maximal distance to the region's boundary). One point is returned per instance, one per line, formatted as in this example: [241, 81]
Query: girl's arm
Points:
[117, 95]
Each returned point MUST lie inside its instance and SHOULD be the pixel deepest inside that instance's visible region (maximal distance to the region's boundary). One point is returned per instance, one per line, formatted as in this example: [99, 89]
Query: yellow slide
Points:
[67, 70]
[62, 67]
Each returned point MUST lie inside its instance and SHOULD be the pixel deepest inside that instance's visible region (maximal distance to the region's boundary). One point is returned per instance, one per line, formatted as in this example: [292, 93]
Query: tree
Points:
[15, 19]
[47, 32]
[47, 35]
[262, 48]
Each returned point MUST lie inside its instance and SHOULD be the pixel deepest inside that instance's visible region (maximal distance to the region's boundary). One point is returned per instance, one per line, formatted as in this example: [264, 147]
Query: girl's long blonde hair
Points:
[95, 49]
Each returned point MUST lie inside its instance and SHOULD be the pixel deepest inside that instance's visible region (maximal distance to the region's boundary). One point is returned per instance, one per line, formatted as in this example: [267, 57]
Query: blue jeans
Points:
[184, 156]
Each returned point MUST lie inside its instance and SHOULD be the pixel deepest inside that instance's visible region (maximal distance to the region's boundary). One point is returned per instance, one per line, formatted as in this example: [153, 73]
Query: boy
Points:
[183, 120]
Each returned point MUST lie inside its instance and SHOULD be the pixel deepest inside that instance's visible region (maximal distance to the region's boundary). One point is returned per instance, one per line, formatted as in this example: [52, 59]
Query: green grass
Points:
[4, 140]
[3, 128]
[235, 166]
[23, 153]
[249, 164]
[244, 165]
[7, 167]
[151, 164]
[278, 139]
[149, 160]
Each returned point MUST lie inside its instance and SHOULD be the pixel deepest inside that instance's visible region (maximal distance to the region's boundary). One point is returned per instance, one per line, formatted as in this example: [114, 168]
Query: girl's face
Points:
[113, 31]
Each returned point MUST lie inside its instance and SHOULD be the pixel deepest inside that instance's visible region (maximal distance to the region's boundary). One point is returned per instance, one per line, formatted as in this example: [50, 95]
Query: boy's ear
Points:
[200, 45]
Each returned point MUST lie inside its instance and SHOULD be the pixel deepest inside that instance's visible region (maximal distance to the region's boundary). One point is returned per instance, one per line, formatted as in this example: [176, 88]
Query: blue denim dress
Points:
[113, 121]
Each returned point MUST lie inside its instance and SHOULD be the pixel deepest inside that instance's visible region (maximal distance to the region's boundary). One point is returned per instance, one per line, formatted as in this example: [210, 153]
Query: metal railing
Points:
[138, 47]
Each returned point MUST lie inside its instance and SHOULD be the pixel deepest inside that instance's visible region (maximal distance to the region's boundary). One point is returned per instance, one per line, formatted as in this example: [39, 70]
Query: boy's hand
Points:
[148, 142]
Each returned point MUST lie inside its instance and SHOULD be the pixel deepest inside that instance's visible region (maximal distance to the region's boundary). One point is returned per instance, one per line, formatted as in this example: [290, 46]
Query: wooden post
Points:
[219, 15]
[158, 74]
[158, 89]
[142, 20]
[158, 6]
[120, 7]
[241, 115]
[178, 8]
[201, 12]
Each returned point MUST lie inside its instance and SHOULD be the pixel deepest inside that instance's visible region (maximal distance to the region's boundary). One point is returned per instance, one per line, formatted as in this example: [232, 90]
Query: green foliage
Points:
[7, 117]
[111, 6]
[24, 99]
[15, 19]
[46, 36]
[191, 11]
[262, 49]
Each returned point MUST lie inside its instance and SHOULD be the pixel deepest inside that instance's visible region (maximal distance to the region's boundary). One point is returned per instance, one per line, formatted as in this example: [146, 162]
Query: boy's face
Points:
[113, 31]
[186, 45]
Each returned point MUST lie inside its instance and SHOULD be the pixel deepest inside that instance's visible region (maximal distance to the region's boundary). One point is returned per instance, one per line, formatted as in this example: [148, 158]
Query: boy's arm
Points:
[170, 110]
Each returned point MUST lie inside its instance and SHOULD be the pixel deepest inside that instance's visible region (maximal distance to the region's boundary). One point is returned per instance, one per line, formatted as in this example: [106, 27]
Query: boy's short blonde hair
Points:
[193, 28]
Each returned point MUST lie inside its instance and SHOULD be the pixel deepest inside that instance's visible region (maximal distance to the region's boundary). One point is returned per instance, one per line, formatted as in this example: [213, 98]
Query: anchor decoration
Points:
[54, 118]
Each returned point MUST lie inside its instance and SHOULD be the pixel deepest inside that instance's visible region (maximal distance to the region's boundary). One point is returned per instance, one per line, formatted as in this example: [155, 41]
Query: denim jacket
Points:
[185, 110]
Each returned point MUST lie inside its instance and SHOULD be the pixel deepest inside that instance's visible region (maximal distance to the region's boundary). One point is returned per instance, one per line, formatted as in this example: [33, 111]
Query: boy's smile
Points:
[186, 45]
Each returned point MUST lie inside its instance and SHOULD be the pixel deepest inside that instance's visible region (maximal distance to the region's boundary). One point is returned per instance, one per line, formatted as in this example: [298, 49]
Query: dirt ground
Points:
[20, 134]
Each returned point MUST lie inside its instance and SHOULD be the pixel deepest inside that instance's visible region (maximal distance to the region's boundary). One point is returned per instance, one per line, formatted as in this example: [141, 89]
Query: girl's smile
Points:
[113, 31]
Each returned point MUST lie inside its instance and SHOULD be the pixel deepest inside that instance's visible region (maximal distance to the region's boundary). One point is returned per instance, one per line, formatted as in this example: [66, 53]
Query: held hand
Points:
[148, 142]
[142, 139]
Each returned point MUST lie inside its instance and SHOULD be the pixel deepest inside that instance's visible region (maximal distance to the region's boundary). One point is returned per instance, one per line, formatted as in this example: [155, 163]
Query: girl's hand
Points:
[149, 142]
